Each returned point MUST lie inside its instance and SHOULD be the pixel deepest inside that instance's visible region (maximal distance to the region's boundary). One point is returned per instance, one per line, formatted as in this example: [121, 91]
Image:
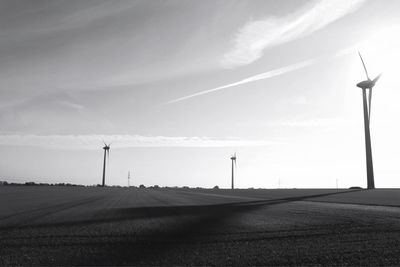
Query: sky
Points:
[177, 87]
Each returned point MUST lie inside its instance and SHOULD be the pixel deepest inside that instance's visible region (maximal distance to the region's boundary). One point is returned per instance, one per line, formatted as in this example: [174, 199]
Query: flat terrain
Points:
[42, 225]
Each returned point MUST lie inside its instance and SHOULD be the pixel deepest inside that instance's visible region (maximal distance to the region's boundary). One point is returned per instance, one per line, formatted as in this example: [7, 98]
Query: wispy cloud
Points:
[261, 76]
[316, 122]
[74, 17]
[255, 36]
[276, 72]
[89, 142]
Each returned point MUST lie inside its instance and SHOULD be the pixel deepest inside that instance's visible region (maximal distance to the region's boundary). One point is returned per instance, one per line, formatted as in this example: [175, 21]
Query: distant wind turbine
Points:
[106, 155]
[233, 158]
[364, 85]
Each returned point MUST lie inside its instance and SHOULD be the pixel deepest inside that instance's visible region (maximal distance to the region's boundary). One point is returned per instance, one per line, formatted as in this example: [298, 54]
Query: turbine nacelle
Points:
[368, 84]
[106, 147]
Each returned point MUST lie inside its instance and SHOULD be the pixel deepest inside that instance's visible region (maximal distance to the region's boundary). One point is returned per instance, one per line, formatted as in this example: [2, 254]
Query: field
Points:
[51, 225]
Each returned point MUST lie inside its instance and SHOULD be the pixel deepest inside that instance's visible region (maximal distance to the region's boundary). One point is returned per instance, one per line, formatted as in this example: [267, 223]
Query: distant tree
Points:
[156, 186]
[141, 186]
[185, 187]
[216, 187]
[30, 183]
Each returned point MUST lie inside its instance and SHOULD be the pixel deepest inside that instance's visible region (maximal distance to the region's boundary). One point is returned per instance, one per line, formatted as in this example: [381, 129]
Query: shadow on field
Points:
[218, 210]
[121, 214]
[127, 242]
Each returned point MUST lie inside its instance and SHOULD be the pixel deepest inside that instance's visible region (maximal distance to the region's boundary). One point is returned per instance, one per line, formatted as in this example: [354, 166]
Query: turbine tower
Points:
[368, 85]
[233, 159]
[106, 155]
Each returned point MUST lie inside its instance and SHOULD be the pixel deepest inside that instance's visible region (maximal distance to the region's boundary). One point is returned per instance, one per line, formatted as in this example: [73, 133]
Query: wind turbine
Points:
[233, 158]
[368, 85]
[106, 155]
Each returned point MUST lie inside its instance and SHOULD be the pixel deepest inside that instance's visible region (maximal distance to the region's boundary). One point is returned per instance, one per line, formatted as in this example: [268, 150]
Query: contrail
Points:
[261, 76]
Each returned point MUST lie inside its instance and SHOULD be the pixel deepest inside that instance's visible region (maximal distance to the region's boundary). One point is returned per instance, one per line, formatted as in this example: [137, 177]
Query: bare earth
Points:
[42, 225]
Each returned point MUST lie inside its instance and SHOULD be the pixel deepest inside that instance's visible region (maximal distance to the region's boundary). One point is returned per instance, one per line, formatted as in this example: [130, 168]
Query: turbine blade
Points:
[365, 68]
[377, 78]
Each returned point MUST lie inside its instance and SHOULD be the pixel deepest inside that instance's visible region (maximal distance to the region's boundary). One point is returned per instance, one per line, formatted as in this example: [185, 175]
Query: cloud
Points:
[73, 16]
[315, 122]
[261, 76]
[70, 105]
[90, 142]
[276, 72]
[256, 36]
